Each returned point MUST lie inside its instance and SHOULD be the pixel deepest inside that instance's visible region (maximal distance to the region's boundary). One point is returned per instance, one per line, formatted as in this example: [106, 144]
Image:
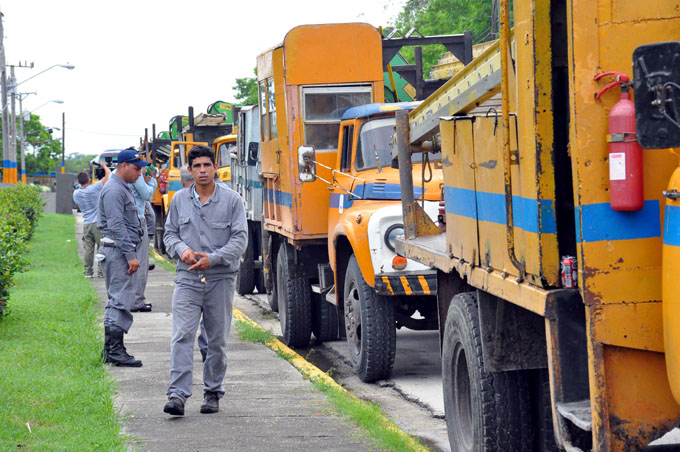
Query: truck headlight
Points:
[391, 235]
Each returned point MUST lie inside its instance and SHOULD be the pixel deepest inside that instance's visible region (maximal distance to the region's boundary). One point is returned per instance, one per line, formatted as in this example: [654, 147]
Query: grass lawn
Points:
[55, 394]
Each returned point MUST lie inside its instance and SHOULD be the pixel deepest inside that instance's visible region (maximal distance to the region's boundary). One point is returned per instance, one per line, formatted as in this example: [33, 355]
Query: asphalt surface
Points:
[267, 406]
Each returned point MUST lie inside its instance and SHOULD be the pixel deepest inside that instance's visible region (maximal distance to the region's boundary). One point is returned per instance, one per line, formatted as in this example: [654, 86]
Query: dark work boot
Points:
[107, 344]
[118, 356]
[175, 406]
[211, 403]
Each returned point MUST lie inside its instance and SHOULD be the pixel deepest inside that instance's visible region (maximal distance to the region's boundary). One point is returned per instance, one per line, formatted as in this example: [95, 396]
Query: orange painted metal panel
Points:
[333, 53]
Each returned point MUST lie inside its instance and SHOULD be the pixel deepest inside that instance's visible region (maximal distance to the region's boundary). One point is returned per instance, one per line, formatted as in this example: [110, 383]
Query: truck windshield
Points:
[323, 108]
[224, 153]
[373, 145]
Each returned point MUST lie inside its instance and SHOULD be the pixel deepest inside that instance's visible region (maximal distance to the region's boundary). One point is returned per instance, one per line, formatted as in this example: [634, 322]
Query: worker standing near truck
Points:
[143, 189]
[122, 232]
[207, 233]
[86, 198]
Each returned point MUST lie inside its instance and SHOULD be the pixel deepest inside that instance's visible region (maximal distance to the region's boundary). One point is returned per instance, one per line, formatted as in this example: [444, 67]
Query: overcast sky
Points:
[142, 62]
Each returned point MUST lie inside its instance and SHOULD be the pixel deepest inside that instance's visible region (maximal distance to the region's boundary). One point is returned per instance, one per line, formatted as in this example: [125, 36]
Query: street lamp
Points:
[66, 66]
[21, 128]
[9, 130]
[56, 101]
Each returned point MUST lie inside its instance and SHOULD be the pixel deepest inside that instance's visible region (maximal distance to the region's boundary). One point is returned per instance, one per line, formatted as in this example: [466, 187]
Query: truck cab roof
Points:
[368, 110]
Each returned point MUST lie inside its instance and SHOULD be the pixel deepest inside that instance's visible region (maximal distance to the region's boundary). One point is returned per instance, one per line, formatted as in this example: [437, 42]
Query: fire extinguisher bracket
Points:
[622, 137]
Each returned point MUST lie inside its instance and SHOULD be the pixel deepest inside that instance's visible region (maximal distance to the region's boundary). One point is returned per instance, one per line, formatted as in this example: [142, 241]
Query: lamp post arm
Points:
[67, 66]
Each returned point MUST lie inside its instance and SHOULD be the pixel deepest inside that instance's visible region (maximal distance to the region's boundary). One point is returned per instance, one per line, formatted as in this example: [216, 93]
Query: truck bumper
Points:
[402, 283]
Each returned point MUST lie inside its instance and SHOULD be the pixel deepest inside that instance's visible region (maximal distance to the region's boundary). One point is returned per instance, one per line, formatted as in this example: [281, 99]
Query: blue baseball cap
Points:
[131, 156]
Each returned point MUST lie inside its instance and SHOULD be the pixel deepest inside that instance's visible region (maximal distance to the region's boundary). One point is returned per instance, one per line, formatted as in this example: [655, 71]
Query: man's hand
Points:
[188, 257]
[202, 264]
[133, 266]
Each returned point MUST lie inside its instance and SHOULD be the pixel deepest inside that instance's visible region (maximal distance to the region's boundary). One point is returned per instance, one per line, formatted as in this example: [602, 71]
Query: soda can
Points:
[568, 272]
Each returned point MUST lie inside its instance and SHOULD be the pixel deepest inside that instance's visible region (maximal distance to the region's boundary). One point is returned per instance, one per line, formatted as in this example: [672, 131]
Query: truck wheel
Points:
[544, 432]
[160, 230]
[294, 300]
[245, 278]
[485, 411]
[259, 282]
[325, 324]
[369, 326]
[267, 255]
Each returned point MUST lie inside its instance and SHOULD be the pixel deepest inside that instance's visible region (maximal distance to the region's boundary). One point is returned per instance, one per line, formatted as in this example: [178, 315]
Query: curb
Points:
[306, 368]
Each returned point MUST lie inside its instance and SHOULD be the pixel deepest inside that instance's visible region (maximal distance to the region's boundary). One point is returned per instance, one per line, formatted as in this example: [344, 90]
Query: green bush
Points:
[20, 209]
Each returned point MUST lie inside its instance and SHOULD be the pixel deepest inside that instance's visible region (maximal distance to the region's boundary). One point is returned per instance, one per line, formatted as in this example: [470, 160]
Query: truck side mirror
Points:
[253, 150]
[656, 81]
[306, 163]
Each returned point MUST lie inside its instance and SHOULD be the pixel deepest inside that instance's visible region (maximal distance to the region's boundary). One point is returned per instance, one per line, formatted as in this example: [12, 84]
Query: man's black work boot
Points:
[211, 403]
[118, 356]
[107, 344]
[175, 406]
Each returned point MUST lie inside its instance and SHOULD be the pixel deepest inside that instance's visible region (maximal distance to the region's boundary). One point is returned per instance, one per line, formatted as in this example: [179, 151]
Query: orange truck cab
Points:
[223, 147]
[331, 230]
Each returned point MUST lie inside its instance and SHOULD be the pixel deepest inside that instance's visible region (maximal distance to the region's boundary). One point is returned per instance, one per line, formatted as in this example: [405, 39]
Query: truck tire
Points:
[369, 326]
[294, 300]
[485, 411]
[158, 243]
[268, 256]
[325, 324]
[542, 420]
[245, 278]
[259, 282]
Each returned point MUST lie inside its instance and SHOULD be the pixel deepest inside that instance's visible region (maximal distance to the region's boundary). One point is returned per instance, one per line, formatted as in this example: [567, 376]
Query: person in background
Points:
[143, 189]
[87, 199]
[150, 217]
[206, 231]
[122, 232]
[187, 181]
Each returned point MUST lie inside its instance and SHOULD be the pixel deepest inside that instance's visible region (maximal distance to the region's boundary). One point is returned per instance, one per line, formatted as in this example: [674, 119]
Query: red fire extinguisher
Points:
[626, 189]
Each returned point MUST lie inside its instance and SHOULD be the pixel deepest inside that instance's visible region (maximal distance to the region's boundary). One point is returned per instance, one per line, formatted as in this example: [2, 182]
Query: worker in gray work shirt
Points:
[143, 189]
[122, 232]
[206, 231]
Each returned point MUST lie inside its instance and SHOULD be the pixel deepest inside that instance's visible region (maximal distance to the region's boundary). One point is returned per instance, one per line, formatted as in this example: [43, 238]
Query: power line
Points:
[103, 133]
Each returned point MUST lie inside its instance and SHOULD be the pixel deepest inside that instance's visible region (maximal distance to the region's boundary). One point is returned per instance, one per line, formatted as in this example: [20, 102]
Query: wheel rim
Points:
[462, 398]
[353, 319]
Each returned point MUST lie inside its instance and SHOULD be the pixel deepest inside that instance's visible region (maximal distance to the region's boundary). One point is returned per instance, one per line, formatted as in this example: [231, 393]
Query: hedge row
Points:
[20, 209]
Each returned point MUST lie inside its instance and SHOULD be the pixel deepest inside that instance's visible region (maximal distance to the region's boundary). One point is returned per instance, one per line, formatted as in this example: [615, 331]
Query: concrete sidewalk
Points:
[268, 405]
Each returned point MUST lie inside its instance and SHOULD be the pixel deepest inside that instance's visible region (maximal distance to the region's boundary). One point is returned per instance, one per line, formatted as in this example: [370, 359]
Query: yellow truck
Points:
[331, 198]
[558, 309]
[167, 155]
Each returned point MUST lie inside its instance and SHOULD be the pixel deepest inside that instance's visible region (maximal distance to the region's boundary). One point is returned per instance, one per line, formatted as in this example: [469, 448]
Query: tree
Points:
[42, 153]
[434, 17]
[246, 90]
[75, 163]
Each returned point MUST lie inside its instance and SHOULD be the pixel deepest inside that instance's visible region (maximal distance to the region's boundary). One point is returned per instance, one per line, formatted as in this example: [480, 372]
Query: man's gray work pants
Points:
[91, 238]
[121, 287]
[143, 272]
[191, 298]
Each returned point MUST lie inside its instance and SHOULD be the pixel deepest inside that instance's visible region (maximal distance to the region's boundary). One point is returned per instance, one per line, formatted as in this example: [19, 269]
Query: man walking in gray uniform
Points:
[122, 230]
[206, 231]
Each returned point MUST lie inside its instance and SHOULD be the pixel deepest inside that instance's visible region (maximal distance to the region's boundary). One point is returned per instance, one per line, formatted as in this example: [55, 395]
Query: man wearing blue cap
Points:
[122, 230]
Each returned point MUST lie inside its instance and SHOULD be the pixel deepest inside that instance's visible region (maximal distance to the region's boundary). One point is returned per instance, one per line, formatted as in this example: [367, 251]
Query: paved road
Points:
[268, 405]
